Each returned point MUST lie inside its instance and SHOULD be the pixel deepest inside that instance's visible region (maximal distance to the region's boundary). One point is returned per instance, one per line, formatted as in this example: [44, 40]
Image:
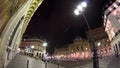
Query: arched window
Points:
[82, 48]
[106, 50]
[119, 44]
[116, 46]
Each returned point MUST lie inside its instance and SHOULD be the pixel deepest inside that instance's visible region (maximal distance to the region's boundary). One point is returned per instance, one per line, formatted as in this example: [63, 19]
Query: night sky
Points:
[56, 22]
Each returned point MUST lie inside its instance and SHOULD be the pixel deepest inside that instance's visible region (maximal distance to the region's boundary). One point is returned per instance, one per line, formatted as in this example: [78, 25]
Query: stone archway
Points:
[16, 23]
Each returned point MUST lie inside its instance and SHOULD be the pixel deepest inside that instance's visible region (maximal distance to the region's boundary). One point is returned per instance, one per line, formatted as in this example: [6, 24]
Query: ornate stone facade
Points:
[79, 49]
[112, 24]
[38, 49]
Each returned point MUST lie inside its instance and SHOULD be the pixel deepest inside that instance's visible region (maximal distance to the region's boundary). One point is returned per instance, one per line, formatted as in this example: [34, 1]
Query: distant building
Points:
[112, 24]
[100, 39]
[97, 34]
[79, 49]
[33, 47]
[61, 52]
[103, 48]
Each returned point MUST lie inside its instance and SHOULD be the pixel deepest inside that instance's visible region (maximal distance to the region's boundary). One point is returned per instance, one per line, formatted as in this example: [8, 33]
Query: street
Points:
[20, 61]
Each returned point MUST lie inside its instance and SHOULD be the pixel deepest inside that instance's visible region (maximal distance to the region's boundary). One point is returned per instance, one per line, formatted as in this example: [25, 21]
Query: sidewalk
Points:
[113, 62]
[20, 61]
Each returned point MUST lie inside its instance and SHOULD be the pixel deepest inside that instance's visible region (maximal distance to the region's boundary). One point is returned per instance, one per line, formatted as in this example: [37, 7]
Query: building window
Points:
[77, 48]
[82, 48]
[117, 3]
[119, 44]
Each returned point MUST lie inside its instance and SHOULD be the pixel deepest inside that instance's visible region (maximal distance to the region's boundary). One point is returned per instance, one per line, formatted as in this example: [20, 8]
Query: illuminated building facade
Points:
[112, 24]
[33, 47]
[61, 52]
[103, 48]
[101, 41]
[79, 49]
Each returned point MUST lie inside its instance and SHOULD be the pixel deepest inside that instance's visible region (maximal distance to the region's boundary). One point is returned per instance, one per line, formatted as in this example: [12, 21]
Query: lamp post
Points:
[32, 48]
[45, 45]
[79, 10]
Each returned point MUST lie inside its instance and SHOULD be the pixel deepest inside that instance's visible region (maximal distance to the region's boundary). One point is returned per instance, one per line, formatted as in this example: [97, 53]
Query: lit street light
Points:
[84, 4]
[32, 46]
[76, 12]
[99, 43]
[79, 10]
[45, 44]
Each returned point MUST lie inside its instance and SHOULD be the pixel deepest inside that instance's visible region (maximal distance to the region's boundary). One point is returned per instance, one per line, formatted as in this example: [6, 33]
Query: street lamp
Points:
[99, 43]
[32, 46]
[44, 55]
[79, 10]
[44, 44]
